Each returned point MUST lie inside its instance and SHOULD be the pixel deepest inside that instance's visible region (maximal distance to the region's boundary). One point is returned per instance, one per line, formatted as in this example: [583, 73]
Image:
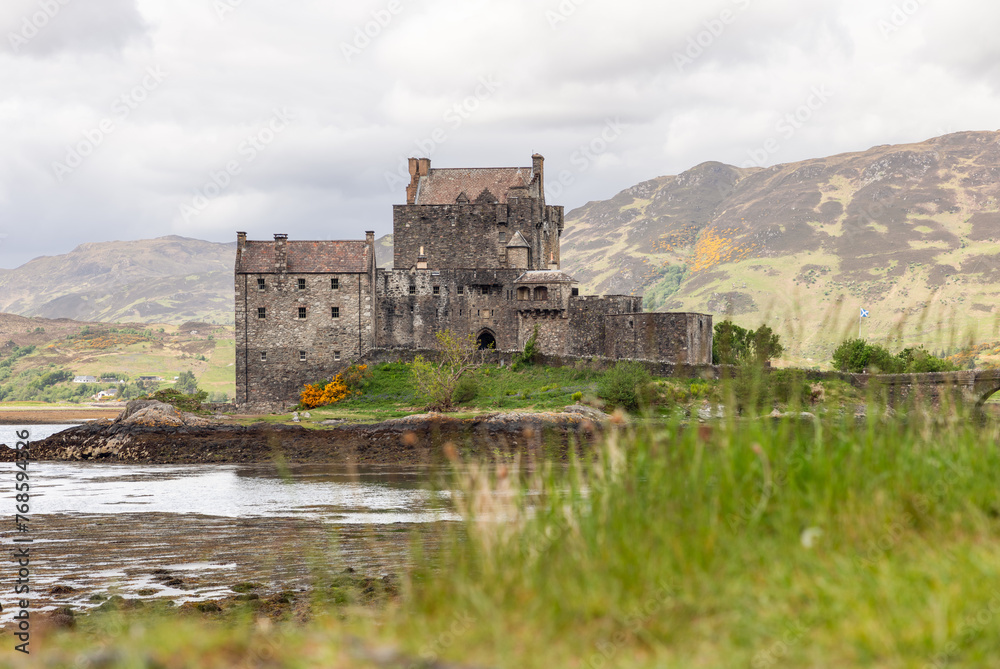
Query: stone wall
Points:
[269, 351]
[486, 302]
[676, 337]
[465, 236]
[587, 316]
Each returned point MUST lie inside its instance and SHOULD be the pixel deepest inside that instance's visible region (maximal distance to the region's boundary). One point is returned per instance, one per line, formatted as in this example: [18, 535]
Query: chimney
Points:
[553, 264]
[419, 167]
[421, 259]
[537, 172]
[280, 254]
[241, 242]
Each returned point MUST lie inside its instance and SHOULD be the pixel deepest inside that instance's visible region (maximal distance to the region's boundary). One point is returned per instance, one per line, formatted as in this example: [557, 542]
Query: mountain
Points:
[168, 279]
[910, 233]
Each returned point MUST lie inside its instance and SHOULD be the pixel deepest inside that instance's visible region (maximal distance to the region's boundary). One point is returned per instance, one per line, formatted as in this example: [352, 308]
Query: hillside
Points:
[39, 357]
[910, 232]
[168, 279]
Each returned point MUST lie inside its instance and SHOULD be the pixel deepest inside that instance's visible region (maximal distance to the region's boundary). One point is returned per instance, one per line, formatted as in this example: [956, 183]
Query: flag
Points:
[864, 313]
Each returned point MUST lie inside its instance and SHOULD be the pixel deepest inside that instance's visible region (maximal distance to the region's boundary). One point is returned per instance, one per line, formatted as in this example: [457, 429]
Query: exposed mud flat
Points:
[81, 561]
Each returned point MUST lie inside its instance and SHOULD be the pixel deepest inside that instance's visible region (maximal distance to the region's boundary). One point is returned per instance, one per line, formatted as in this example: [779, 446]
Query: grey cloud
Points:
[44, 28]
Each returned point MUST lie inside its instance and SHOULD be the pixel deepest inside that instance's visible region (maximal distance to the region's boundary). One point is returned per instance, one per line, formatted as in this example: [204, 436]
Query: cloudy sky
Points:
[131, 119]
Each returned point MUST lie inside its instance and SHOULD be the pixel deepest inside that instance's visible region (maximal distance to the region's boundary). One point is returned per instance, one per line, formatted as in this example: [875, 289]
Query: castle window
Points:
[461, 290]
[302, 356]
[263, 356]
[336, 355]
[334, 284]
[437, 290]
[302, 312]
[413, 289]
[503, 236]
[335, 312]
[261, 312]
[486, 290]
[260, 284]
[576, 292]
[302, 284]
[541, 293]
[523, 293]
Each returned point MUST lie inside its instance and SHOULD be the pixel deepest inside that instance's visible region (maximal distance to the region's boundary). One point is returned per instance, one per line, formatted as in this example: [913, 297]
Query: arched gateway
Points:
[486, 340]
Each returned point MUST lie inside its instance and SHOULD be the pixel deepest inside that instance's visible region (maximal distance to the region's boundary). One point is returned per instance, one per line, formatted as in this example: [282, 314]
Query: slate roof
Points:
[306, 256]
[444, 185]
[545, 276]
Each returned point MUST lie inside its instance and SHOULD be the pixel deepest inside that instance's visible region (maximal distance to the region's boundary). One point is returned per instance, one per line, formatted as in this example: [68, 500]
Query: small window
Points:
[260, 284]
[335, 284]
[486, 290]
[461, 290]
[503, 236]
[302, 312]
[413, 289]
[576, 292]
[335, 312]
[302, 356]
[261, 312]
[302, 284]
[263, 356]
[437, 290]
[336, 355]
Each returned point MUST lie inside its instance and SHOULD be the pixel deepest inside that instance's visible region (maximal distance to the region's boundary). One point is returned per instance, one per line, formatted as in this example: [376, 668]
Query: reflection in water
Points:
[373, 495]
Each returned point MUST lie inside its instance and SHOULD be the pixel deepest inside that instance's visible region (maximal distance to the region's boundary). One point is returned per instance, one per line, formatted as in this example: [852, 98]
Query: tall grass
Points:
[817, 543]
[821, 542]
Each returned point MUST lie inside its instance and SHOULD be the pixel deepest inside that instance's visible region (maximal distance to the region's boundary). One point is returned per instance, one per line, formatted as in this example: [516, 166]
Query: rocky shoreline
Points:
[155, 433]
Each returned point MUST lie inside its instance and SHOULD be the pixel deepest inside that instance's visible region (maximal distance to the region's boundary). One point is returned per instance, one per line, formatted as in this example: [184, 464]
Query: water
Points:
[111, 528]
[372, 495]
[8, 433]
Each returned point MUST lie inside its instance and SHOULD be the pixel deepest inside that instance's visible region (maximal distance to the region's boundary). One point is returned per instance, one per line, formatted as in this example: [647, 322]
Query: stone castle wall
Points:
[269, 364]
[457, 236]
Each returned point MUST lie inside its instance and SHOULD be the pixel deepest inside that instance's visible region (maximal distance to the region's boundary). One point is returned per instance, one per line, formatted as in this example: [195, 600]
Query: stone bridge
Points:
[972, 386]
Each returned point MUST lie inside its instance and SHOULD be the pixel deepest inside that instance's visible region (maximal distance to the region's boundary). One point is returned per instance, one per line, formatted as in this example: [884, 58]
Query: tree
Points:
[766, 344]
[435, 383]
[732, 344]
[186, 383]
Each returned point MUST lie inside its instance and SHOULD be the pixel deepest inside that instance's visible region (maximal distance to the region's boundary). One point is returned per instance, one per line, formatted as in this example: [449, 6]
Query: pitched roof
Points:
[518, 241]
[306, 256]
[443, 186]
[544, 276]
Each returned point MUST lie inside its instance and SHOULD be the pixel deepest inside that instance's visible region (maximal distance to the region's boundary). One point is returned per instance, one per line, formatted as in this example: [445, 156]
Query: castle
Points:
[475, 251]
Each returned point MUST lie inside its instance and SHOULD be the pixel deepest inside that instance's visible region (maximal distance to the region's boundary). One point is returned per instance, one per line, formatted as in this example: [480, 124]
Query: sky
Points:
[133, 119]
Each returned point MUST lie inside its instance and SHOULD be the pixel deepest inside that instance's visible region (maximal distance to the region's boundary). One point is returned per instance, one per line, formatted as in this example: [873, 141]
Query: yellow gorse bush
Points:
[319, 394]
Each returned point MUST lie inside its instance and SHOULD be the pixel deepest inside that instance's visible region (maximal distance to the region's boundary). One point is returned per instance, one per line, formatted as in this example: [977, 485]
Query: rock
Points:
[588, 412]
[151, 413]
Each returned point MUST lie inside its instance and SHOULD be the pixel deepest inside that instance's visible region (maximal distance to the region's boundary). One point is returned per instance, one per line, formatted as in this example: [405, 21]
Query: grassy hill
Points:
[168, 279]
[61, 349]
[910, 233]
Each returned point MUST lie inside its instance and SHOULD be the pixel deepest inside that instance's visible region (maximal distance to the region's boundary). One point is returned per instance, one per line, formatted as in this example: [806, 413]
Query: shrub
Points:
[435, 383]
[356, 377]
[323, 393]
[625, 385]
[577, 397]
[174, 397]
[527, 356]
[465, 390]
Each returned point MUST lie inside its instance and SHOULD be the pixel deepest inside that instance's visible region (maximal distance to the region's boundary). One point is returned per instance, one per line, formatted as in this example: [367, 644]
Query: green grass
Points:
[743, 543]
[389, 393]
